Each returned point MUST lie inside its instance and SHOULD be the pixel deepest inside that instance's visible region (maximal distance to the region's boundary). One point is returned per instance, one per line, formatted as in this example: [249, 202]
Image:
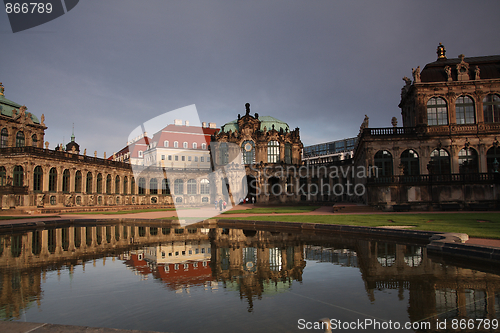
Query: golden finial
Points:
[441, 52]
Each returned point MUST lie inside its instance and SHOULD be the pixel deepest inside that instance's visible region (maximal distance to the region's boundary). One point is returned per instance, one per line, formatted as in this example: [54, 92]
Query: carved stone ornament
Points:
[462, 69]
[394, 122]
[477, 73]
[447, 70]
[416, 74]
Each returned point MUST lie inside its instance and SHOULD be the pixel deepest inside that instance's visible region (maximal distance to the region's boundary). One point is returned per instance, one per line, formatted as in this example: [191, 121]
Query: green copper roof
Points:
[265, 121]
[7, 106]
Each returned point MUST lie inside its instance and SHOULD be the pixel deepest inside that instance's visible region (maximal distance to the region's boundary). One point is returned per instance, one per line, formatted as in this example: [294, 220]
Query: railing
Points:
[433, 130]
[60, 155]
[483, 178]
[9, 189]
[390, 131]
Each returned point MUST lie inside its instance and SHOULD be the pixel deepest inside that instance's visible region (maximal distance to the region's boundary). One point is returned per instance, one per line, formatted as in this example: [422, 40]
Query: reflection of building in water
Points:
[435, 290]
[343, 257]
[25, 258]
[19, 291]
[251, 262]
[256, 262]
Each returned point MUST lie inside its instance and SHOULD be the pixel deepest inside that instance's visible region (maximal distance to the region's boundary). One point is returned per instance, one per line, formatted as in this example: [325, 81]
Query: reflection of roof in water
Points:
[269, 288]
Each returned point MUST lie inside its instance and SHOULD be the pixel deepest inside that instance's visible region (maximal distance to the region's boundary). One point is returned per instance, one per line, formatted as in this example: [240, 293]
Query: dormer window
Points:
[176, 144]
[195, 145]
[165, 143]
[139, 153]
[185, 145]
[203, 146]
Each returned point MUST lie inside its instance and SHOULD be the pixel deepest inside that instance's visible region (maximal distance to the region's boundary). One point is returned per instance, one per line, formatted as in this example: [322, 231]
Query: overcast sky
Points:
[109, 65]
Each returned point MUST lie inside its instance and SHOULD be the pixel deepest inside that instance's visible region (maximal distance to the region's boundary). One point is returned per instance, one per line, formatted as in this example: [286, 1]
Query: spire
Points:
[73, 134]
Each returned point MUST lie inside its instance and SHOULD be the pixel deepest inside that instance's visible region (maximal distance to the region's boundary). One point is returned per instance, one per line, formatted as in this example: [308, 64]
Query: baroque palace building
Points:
[270, 152]
[446, 154]
[34, 177]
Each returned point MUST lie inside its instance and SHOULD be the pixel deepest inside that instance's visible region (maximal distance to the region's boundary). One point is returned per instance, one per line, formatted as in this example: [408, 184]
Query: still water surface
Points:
[176, 279]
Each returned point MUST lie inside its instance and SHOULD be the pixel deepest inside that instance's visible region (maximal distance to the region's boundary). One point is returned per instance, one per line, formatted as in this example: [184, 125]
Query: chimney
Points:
[178, 122]
[211, 125]
[204, 124]
[187, 122]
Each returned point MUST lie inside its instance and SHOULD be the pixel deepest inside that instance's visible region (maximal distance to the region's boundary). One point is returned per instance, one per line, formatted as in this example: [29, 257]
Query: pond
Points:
[168, 278]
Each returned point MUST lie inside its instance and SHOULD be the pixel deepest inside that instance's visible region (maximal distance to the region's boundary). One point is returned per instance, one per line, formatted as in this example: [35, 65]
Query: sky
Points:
[322, 65]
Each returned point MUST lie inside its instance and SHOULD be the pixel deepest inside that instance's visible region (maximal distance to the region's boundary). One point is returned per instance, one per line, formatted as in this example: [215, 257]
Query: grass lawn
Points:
[24, 217]
[481, 225]
[271, 210]
[133, 211]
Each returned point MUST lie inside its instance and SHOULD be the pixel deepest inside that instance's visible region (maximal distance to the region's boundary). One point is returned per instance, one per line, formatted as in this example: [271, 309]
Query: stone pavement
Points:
[24, 327]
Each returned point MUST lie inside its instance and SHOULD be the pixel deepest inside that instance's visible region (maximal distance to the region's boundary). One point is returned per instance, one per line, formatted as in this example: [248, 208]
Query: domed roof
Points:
[265, 121]
[7, 106]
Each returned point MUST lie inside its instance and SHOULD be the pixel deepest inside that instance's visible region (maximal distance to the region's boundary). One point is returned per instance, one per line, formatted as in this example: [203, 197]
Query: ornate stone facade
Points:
[447, 150]
[268, 149]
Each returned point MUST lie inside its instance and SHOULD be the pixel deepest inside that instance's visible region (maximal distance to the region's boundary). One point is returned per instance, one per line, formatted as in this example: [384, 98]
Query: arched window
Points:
[78, 181]
[34, 140]
[117, 184]
[99, 183]
[52, 180]
[139, 154]
[191, 186]
[142, 186]
[195, 145]
[178, 186]
[288, 153]
[273, 152]
[467, 161]
[88, 183]
[185, 145]
[437, 111]
[20, 139]
[491, 108]
[37, 179]
[165, 143]
[18, 176]
[440, 162]
[176, 144]
[165, 188]
[204, 186]
[125, 185]
[383, 162]
[410, 162]
[4, 138]
[203, 146]
[65, 181]
[153, 186]
[248, 150]
[108, 184]
[493, 159]
[464, 110]
[3, 176]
